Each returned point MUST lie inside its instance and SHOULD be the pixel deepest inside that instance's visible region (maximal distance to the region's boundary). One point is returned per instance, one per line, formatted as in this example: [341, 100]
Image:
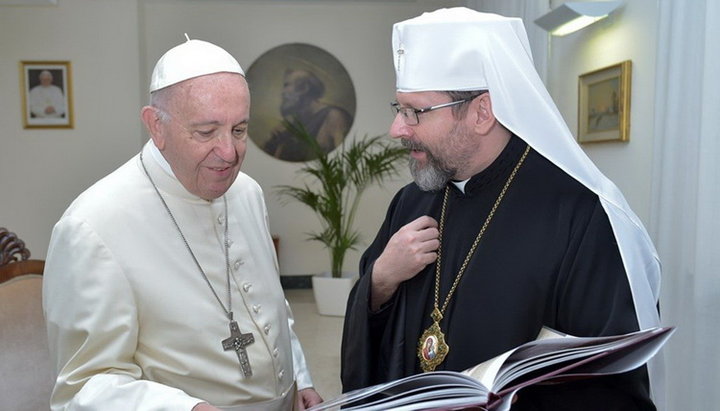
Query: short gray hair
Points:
[159, 99]
[459, 110]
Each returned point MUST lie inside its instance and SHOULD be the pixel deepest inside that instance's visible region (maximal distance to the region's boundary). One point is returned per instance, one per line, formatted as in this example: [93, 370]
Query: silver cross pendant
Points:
[238, 342]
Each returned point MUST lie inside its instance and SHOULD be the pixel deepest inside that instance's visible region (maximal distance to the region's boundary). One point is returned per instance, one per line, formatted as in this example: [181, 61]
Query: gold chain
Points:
[475, 243]
[432, 347]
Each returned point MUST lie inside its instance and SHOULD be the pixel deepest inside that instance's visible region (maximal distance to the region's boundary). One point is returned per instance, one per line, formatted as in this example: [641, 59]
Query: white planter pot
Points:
[331, 294]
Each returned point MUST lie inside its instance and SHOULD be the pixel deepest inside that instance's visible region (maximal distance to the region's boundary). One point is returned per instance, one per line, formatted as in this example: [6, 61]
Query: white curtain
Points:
[685, 213]
[528, 11]
[685, 210]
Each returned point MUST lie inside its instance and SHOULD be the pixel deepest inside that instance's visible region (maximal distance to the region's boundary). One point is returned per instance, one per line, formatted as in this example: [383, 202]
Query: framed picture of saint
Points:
[299, 83]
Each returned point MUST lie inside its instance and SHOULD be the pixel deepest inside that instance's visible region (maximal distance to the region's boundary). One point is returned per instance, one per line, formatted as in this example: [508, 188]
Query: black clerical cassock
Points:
[548, 257]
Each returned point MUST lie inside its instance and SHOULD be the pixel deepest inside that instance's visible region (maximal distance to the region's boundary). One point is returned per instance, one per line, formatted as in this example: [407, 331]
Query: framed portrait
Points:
[299, 83]
[604, 104]
[45, 87]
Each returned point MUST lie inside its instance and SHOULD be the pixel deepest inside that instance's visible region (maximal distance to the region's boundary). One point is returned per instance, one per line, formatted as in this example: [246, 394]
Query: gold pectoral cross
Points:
[238, 342]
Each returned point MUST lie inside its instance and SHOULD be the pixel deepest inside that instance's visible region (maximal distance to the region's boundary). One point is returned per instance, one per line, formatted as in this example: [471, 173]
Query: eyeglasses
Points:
[410, 115]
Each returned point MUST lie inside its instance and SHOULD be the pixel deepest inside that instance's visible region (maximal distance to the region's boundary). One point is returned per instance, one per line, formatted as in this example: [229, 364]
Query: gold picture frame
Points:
[604, 104]
[46, 90]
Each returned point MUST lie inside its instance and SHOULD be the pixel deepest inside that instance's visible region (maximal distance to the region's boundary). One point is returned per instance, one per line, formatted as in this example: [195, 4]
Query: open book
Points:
[552, 357]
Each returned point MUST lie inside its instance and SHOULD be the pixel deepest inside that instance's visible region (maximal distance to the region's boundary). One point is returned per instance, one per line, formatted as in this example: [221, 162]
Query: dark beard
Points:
[435, 175]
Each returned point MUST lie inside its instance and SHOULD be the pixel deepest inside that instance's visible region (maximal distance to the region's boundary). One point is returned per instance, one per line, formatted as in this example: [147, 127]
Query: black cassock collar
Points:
[497, 170]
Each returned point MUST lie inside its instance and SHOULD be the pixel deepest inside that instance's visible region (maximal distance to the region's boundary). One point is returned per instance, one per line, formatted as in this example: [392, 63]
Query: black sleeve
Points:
[362, 330]
[594, 298]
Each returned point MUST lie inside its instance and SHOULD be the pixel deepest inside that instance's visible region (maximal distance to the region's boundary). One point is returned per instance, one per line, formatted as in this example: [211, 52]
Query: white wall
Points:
[627, 34]
[113, 46]
[357, 33]
[42, 170]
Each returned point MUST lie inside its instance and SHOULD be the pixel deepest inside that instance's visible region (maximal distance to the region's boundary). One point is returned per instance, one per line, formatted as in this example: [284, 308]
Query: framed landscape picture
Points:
[45, 87]
[604, 104]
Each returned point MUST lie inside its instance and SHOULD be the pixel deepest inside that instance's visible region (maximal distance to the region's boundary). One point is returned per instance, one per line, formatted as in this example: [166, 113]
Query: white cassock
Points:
[42, 97]
[132, 324]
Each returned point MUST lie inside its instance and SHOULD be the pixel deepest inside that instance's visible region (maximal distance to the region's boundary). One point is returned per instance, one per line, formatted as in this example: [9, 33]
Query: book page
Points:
[623, 357]
[547, 332]
[409, 390]
[549, 358]
[486, 372]
[558, 359]
[435, 398]
[474, 402]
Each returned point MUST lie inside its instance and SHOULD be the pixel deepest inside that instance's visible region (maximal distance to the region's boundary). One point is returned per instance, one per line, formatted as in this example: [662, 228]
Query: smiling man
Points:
[161, 289]
[508, 226]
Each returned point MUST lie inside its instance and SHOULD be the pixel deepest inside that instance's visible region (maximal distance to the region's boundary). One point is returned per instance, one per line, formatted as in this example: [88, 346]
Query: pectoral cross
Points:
[238, 341]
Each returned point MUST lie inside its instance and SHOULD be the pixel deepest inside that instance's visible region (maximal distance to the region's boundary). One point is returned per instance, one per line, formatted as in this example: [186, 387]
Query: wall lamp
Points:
[573, 15]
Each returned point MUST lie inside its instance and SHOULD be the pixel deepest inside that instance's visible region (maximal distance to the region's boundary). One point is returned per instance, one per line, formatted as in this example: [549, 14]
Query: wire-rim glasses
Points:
[410, 115]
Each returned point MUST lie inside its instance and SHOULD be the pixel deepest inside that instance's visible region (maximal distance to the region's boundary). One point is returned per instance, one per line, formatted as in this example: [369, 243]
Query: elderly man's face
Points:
[205, 138]
[46, 78]
[293, 93]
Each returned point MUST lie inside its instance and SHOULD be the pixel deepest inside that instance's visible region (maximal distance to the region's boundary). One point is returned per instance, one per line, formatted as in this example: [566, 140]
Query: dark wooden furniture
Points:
[15, 258]
[26, 371]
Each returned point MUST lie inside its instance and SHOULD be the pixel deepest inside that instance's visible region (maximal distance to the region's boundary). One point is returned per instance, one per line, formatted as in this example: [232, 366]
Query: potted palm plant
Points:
[333, 188]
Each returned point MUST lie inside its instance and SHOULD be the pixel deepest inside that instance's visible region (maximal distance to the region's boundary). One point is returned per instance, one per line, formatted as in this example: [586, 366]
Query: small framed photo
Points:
[45, 87]
[604, 104]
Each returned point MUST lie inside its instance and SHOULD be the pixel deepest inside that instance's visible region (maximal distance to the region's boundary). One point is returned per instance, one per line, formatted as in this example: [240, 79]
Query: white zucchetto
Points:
[191, 59]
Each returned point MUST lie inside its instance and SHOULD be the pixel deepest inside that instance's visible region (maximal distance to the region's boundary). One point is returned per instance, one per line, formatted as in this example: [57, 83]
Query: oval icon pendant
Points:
[432, 348]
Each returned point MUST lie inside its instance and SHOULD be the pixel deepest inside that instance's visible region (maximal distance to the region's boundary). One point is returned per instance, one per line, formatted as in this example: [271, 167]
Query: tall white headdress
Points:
[461, 49]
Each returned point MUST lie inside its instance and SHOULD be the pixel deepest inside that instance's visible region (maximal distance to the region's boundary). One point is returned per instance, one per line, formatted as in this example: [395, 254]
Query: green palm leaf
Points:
[336, 183]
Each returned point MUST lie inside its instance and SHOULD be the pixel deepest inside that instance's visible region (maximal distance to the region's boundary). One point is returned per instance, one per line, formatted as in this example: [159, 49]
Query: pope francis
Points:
[161, 289]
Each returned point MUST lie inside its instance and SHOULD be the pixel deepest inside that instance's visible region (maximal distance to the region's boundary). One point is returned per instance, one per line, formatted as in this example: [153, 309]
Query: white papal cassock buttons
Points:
[238, 263]
[280, 374]
[246, 287]
[256, 308]
[221, 219]
[276, 352]
[267, 329]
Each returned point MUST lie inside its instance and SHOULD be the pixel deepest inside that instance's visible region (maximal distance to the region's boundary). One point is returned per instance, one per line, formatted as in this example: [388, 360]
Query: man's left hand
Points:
[307, 398]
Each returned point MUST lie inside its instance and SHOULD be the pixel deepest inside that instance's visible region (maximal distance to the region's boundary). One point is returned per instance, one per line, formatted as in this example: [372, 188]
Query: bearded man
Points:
[301, 103]
[508, 226]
